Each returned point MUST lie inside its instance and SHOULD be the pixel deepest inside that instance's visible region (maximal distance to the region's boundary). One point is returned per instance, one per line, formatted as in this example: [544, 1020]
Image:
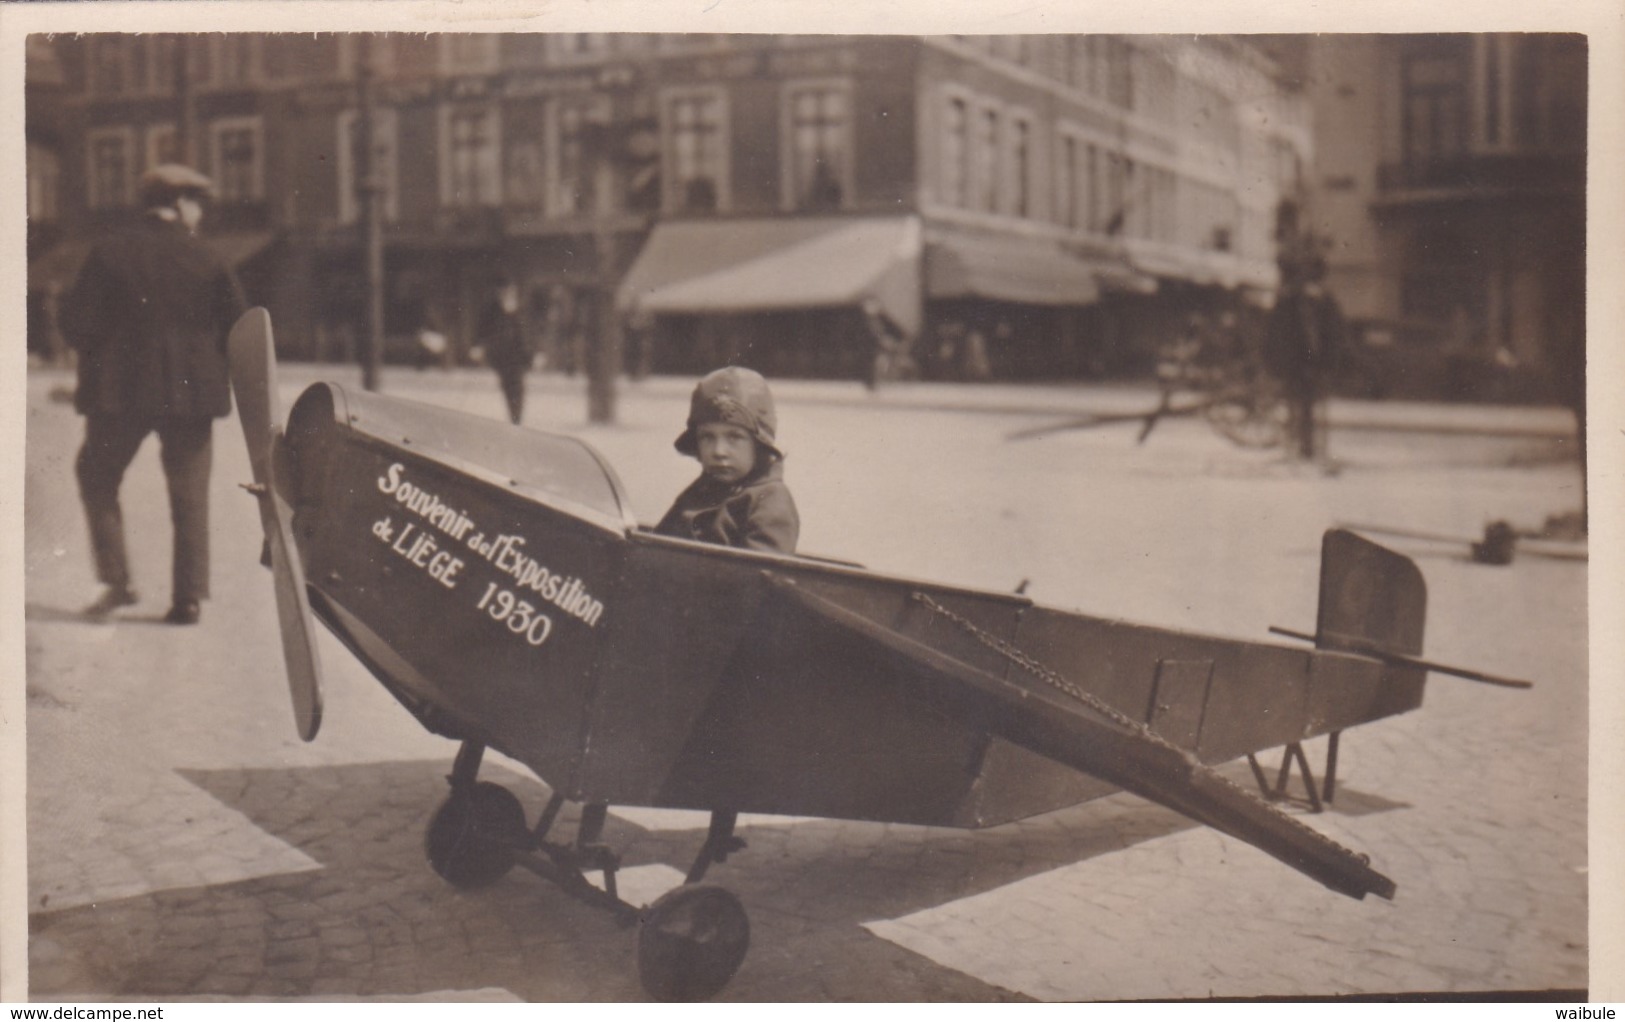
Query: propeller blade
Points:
[251, 351]
[251, 355]
[293, 603]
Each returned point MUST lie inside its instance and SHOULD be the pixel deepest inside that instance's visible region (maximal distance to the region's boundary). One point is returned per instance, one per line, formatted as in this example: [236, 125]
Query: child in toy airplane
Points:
[740, 498]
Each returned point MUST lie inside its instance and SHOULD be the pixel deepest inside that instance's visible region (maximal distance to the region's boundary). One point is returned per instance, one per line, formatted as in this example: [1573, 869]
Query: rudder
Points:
[1371, 593]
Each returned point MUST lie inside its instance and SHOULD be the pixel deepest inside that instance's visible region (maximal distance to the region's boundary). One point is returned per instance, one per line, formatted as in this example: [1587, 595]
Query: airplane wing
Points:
[1089, 736]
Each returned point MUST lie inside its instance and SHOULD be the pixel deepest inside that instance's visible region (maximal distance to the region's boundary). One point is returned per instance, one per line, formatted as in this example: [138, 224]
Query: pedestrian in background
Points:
[1304, 331]
[149, 315]
[502, 335]
[889, 345]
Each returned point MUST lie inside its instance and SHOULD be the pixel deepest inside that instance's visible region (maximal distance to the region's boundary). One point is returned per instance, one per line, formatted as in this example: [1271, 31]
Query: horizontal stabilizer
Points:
[1094, 739]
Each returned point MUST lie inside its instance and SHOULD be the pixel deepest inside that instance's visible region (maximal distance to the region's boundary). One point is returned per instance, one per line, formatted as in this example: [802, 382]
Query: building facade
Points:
[1450, 179]
[1067, 200]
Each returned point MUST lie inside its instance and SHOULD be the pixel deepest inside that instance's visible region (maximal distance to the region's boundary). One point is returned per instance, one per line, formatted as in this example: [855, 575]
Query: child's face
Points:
[727, 452]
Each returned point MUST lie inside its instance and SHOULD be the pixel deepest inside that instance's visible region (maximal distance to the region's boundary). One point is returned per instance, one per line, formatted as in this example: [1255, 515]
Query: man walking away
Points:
[503, 338]
[1304, 332]
[148, 315]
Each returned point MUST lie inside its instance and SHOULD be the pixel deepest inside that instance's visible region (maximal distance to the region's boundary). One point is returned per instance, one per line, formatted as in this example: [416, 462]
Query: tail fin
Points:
[1369, 593]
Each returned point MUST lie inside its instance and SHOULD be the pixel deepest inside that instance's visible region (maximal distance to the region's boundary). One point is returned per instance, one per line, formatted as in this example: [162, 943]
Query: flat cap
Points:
[175, 177]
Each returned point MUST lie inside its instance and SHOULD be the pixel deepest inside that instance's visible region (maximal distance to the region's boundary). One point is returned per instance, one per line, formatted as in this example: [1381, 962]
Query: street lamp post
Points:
[606, 144]
[604, 357]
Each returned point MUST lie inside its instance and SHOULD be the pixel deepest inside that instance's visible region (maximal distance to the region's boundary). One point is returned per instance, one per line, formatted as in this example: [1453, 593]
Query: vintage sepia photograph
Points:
[804, 516]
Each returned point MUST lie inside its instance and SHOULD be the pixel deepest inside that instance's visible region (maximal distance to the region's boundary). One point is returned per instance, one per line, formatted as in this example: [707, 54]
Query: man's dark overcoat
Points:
[149, 315]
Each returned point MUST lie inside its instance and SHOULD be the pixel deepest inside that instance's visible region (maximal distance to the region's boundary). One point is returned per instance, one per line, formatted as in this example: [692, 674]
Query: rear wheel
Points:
[472, 839]
[691, 942]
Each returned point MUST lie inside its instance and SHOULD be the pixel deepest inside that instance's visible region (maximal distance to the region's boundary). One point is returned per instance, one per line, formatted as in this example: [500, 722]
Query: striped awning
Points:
[723, 266]
[1014, 269]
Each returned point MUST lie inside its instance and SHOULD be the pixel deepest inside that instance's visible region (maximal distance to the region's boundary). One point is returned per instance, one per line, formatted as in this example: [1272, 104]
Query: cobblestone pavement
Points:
[183, 843]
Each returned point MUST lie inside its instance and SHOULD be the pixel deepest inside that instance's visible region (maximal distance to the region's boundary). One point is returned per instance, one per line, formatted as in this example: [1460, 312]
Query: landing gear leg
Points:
[720, 842]
[1293, 752]
[691, 940]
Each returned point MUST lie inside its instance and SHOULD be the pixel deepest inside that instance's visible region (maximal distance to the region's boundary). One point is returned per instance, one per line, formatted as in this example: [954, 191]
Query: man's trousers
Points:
[186, 451]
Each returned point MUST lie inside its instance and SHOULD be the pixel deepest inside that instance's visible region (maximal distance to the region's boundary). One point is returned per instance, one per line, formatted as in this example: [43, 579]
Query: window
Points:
[163, 145]
[111, 73]
[987, 160]
[1434, 105]
[1115, 209]
[1153, 85]
[165, 65]
[44, 179]
[956, 154]
[1077, 61]
[468, 52]
[1066, 181]
[819, 136]
[581, 44]
[1014, 48]
[694, 126]
[385, 166]
[471, 162]
[380, 49]
[1288, 165]
[574, 189]
[295, 56]
[635, 42]
[1075, 193]
[525, 186]
[1136, 206]
[1088, 63]
[1492, 88]
[234, 59]
[1094, 193]
[111, 163]
[1166, 227]
[1018, 190]
[137, 52]
[235, 148]
[1119, 72]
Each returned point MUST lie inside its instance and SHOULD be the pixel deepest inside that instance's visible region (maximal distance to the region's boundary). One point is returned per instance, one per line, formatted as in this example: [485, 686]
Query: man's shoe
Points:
[184, 612]
[111, 600]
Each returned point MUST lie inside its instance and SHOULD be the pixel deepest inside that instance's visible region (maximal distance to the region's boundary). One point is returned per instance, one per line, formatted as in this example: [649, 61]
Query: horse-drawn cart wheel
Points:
[471, 840]
[1254, 416]
[691, 943]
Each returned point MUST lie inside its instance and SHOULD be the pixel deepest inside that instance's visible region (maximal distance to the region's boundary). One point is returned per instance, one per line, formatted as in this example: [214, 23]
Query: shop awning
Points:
[1210, 269]
[734, 266]
[59, 266]
[1034, 271]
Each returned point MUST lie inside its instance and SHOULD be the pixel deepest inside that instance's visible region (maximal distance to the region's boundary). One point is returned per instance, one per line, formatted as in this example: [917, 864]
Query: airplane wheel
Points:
[691, 942]
[471, 839]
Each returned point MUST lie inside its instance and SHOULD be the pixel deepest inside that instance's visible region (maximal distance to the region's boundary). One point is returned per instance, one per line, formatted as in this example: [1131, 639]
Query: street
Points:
[184, 843]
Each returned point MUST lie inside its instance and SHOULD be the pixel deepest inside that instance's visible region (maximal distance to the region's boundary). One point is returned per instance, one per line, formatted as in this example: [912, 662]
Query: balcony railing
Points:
[1483, 173]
